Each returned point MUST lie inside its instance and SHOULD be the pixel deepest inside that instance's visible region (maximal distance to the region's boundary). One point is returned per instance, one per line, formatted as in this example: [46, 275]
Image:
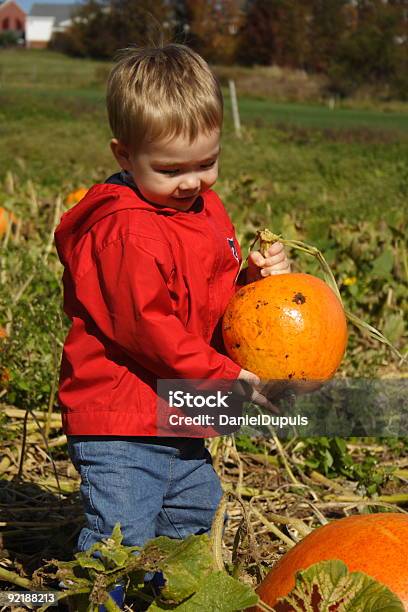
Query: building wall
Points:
[38, 31]
[12, 17]
[37, 44]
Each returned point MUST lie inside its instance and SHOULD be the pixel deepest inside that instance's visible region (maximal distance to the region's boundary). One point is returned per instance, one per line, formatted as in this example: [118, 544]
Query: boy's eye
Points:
[176, 171]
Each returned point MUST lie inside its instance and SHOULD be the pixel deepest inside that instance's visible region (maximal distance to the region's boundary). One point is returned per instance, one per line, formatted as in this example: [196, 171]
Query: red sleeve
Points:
[127, 296]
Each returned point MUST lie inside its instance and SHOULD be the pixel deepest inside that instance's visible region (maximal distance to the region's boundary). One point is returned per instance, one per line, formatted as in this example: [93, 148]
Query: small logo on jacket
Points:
[233, 248]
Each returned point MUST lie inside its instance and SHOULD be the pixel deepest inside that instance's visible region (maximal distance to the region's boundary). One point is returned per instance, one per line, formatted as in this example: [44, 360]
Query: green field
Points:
[321, 117]
[336, 178]
[341, 162]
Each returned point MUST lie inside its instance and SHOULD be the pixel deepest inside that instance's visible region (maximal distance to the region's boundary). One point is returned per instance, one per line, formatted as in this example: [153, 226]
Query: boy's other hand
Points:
[254, 394]
[276, 262]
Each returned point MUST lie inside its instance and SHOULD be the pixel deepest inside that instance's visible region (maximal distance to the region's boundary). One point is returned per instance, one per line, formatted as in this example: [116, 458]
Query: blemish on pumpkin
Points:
[286, 356]
[237, 345]
[299, 298]
[227, 327]
[261, 303]
[291, 375]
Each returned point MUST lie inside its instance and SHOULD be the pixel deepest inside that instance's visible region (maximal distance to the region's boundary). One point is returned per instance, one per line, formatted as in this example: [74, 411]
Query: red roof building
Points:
[12, 17]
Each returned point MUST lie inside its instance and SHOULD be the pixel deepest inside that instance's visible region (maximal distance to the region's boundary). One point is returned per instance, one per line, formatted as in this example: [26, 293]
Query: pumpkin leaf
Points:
[394, 326]
[218, 592]
[184, 563]
[382, 265]
[117, 536]
[90, 563]
[191, 582]
[119, 557]
[114, 554]
[331, 586]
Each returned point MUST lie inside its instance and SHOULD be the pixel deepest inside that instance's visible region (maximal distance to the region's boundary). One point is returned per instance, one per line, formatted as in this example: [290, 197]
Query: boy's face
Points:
[172, 173]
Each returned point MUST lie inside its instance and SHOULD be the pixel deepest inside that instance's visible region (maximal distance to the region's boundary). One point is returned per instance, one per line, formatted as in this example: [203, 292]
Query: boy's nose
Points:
[191, 183]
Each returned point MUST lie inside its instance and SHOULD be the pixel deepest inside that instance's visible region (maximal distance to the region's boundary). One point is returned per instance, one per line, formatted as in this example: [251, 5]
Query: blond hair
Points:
[161, 92]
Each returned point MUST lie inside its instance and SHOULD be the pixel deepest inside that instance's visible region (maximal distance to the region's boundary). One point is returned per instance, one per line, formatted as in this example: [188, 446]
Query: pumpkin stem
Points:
[216, 535]
[266, 239]
[15, 578]
[262, 605]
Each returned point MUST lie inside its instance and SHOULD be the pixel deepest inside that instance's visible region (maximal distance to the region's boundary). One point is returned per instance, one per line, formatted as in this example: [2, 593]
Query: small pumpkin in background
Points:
[75, 196]
[6, 218]
[374, 544]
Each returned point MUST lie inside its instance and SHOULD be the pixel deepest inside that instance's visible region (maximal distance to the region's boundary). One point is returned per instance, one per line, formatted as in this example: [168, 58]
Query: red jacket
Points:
[145, 287]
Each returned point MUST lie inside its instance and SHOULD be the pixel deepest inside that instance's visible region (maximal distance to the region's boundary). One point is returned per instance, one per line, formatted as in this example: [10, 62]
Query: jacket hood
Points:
[101, 200]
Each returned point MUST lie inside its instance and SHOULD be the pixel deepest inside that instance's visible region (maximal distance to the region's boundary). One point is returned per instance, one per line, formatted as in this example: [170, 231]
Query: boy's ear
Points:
[121, 153]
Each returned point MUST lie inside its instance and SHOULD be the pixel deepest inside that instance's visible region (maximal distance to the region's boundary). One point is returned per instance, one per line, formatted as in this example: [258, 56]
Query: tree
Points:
[101, 27]
[260, 36]
[374, 53]
[276, 32]
[135, 22]
[328, 27]
[295, 35]
[212, 26]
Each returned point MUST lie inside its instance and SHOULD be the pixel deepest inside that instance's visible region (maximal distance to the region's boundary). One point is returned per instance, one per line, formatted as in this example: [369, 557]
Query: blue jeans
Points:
[151, 489]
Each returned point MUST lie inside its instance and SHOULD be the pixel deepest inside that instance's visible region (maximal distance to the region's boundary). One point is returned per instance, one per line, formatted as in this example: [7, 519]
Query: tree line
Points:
[353, 42]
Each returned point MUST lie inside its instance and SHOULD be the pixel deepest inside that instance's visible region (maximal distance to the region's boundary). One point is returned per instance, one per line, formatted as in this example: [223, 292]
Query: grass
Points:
[36, 67]
[263, 112]
[317, 163]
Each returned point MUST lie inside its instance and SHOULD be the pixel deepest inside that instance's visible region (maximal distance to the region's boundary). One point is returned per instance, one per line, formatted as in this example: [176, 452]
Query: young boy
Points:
[151, 261]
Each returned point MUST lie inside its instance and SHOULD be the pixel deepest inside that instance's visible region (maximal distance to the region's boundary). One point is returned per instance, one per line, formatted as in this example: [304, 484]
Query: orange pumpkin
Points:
[371, 543]
[75, 196]
[286, 327]
[6, 218]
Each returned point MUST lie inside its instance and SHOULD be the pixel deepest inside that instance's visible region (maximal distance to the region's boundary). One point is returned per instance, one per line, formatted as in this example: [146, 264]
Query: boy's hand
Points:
[276, 262]
[254, 394]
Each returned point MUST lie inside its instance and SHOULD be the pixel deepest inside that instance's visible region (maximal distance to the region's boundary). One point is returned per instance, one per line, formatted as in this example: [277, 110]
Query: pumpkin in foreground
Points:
[289, 327]
[374, 544]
